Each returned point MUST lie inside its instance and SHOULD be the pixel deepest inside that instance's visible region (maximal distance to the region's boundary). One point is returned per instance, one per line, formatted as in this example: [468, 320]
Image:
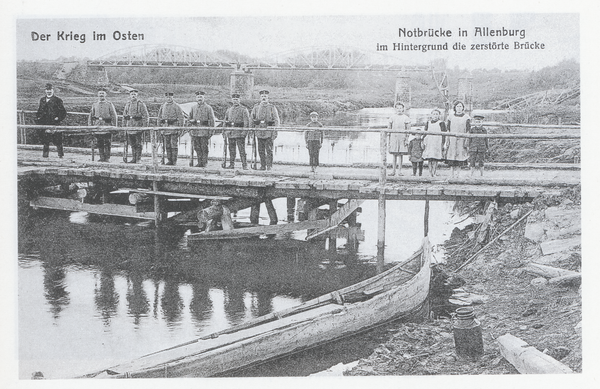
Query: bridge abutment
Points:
[243, 83]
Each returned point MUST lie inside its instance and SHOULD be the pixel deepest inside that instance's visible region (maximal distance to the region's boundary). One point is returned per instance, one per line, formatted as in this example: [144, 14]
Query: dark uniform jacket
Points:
[136, 114]
[204, 116]
[49, 110]
[478, 144]
[237, 116]
[265, 115]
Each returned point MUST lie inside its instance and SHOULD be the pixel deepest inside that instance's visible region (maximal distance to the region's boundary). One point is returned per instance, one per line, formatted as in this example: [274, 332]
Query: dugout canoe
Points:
[398, 292]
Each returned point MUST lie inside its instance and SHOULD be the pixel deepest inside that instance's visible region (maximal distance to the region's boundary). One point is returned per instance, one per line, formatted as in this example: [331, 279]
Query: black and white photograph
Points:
[345, 196]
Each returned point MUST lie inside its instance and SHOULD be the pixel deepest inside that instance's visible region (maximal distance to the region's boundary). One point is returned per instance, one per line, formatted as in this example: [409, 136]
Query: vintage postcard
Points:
[277, 195]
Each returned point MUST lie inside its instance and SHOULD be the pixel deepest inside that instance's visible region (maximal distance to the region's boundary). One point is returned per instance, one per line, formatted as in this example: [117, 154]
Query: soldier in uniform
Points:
[103, 113]
[237, 116]
[51, 111]
[202, 115]
[135, 115]
[265, 115]
[171, 114]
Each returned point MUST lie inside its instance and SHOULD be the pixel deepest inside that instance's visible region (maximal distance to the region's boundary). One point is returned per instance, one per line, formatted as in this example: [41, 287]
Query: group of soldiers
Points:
[236, 123]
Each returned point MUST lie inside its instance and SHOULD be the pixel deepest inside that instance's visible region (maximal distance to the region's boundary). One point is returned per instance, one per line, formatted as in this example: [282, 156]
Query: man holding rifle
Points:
[170, 114]
[51, 111]
[103, 113]
[265, 115]
[201, 115]
[135, 114]
[237, 116]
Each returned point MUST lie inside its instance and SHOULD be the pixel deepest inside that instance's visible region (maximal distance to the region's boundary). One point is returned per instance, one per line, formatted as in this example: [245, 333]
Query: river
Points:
[95, 291]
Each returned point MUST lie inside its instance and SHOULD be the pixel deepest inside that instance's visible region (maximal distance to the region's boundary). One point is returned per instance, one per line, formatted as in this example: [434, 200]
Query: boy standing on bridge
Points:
[202, 115]
[314, 140]
[170, 114]
[477, 146]
[135, 114]
[415, 151]
[103, 113]
[265, 115]
[51, 111]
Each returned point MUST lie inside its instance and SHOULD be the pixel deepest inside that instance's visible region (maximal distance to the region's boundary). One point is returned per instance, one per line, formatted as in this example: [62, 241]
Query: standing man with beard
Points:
[103, 113]
[51, 111]
[135, 115]
[170, 114]
[237, 116]
[201, 115]
[265, 115]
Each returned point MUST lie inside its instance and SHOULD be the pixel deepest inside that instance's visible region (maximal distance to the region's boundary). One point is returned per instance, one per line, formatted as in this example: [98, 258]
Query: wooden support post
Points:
[381, 221]
[154, 150]
[157, 206]
[426, 219]
[291, 208]
[333, 207]
[383, 152]
[254, 213]
[271, 211]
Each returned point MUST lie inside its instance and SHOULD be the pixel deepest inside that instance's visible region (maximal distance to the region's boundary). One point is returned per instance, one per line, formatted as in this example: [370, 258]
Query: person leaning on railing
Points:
[103, 113]
[51, 111]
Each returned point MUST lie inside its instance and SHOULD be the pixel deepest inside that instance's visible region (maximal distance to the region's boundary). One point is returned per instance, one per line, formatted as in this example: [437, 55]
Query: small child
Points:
[434, 144]
[314, 140]
[398, 142]
[477, 146]
[415, 151]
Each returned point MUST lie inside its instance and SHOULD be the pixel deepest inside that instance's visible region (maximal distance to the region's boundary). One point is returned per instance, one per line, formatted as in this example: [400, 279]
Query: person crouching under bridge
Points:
[170, 114]
[237, 116]
[265, 115]
[103, 113]
[201, 115]
[135, 114]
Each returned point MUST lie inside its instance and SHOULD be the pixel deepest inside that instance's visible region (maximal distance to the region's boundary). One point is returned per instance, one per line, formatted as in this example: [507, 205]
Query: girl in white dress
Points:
[456, 148]
[433, 152]
[398, 143]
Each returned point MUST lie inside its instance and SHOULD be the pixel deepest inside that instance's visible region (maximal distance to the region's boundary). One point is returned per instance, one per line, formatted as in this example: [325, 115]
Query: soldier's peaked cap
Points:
[134, 91]
[235, 95]
[48, 86]
[263, 92]
[200, 93]
[169, 94]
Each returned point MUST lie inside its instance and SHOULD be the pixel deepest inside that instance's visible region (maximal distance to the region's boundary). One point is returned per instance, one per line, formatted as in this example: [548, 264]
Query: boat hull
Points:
[395, 293]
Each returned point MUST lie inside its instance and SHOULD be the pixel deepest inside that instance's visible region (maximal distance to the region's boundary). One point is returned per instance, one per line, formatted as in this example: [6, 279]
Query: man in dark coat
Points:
[50, 112]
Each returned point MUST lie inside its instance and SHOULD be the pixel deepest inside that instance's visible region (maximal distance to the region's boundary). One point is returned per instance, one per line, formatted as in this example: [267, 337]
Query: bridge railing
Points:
[384, 132]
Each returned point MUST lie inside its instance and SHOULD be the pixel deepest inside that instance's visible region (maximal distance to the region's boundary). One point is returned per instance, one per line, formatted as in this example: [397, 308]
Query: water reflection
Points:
[201, 305]
[55, 288]
[106, 297]
[171, 301]
[137, 300]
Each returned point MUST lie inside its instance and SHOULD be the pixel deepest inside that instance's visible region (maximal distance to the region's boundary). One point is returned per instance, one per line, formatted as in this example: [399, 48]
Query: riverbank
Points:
[506, 295]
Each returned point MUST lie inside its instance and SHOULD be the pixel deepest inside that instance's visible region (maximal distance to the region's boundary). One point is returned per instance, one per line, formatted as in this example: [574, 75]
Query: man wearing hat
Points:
[135, 114]
[170, 114]
[314, 140]
[201, 115]
[51, 111]
[265, 115]
[477, 146]
[103, 113]
[237, 116]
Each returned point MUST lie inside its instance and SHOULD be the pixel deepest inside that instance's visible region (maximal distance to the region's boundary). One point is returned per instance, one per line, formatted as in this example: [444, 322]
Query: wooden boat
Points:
[400, 291]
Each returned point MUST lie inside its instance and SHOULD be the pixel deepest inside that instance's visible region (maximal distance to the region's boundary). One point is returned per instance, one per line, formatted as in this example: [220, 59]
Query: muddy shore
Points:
[506, 296]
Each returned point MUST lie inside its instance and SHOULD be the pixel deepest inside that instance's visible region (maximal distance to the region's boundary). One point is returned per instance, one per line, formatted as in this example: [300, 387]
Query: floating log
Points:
[527, 359]
[99, 209]
[259, 230]
[548, 271]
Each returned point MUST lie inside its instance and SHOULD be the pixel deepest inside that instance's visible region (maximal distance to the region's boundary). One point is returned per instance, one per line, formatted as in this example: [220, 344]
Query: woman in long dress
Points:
[456, 148]
[398, 145]
[434, 144]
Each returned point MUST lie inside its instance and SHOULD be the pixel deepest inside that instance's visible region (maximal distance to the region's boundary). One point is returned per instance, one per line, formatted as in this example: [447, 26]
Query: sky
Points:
[267, 36]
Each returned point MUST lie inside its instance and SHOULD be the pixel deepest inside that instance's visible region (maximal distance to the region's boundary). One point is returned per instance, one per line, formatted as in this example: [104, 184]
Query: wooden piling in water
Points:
[291, 208]
[271, 211]
[426, 219]
[254, 213]
[381, 198]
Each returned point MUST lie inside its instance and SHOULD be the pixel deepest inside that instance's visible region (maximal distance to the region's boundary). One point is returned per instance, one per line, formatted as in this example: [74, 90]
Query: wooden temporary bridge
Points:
[207, 197]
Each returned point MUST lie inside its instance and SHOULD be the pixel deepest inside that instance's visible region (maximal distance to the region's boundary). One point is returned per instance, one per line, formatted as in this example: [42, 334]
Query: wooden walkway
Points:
[294, 181]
